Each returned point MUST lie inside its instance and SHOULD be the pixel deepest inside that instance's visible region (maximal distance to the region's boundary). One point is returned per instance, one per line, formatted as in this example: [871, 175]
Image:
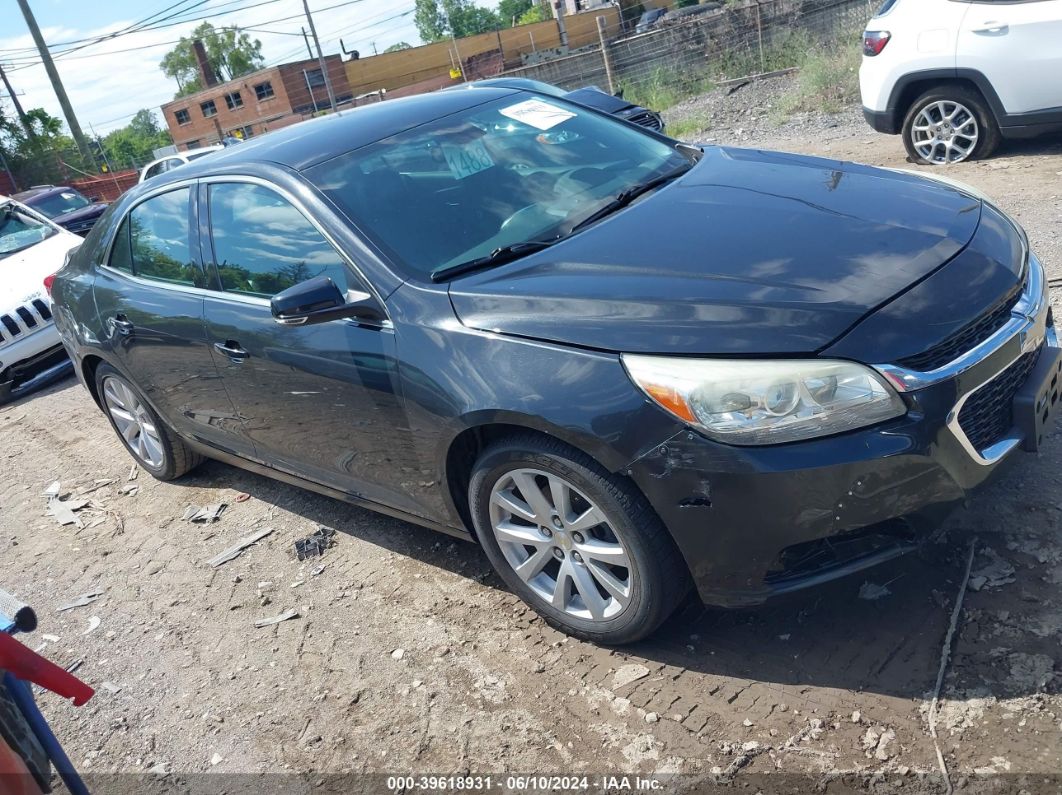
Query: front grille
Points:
[963, 340]
[23, 320]
[646, 119]
[988, 414]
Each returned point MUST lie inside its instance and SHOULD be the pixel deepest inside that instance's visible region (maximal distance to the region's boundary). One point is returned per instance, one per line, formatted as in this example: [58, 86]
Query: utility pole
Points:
[57, 84]
[306, 39]
[320, 57]
[18, 105]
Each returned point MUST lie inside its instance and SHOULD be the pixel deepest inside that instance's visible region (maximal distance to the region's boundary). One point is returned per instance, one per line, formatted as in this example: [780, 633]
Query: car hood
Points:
[22, 273]
[599, 100]
[85, 213]
[749, 252]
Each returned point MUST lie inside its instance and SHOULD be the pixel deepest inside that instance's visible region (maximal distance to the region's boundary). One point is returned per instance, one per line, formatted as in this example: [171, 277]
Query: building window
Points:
[234, 100]
[193, 144]
[263, 91]
[182, 116]
[314, 78]
[209, 108]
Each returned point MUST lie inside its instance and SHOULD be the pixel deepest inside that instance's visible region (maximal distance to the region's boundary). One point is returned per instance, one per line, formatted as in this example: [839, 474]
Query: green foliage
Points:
[439, 19]
[537, 13]
[231, 54]
[685, 3]
[689, 127]
[511, 11]
[400, 46]
[134, 144]
[38, 157]
[667, 87]
[828, 80]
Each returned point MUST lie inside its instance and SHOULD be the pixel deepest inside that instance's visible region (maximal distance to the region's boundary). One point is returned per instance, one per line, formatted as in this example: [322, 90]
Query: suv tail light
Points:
[874, 42]
[48, 282]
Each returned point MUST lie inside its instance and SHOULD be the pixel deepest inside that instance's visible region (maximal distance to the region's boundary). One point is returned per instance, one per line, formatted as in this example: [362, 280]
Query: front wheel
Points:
[582, 547]
[949, 124]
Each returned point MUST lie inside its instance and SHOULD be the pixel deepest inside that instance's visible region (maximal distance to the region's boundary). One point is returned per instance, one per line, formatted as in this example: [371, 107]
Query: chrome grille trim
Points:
[24, 320]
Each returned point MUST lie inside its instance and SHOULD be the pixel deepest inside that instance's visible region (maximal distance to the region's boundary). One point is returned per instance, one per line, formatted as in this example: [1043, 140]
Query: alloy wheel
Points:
[945, 132]
[561, 544]
[133, 421]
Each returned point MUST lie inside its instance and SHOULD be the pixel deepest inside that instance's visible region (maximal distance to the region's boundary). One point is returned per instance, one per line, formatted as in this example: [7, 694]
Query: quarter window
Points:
[263, 90]
[209, 108]
[233, 100]
[263, 245]
[153, 241]
[182, 116]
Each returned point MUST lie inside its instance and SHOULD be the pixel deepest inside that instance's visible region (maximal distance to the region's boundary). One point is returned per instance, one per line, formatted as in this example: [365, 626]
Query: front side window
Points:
[263, 245]
[508, 171]
[153, 241]
[263, 90]
[19, 230]
[209, 108]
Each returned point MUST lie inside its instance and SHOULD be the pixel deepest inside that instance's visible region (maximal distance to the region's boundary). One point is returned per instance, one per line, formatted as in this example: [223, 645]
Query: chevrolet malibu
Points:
[625, 366]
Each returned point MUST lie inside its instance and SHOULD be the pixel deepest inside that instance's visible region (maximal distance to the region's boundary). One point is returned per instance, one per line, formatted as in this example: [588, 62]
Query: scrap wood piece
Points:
[316, 543]
[206, 514]
[287, 614]
[83, 600]
[235, 550]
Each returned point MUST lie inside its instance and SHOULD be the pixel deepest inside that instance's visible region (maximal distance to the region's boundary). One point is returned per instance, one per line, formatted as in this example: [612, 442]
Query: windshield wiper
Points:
[625, 197]
[499, 256]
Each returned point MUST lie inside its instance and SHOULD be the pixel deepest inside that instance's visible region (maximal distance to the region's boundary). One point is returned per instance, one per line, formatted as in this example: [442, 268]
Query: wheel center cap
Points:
[563, 540]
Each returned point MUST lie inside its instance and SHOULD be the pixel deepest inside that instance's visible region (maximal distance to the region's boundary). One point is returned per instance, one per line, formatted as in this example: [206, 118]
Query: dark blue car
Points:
[624, 365]
[66, 206]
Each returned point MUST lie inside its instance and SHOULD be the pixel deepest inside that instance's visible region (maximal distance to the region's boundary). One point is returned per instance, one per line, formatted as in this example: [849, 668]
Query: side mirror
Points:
[319, 300]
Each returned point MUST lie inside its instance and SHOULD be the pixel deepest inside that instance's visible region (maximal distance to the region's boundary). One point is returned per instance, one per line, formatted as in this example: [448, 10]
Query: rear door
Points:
[149, 295]
[318, 401]
[1017, 45]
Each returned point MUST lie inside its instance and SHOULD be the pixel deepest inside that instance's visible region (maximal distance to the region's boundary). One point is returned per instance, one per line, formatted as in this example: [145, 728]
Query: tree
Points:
[135, 144]
[400, 46]
[47, 155]
[230, 54]
[537, 13]
[439, 19]
[510, 11]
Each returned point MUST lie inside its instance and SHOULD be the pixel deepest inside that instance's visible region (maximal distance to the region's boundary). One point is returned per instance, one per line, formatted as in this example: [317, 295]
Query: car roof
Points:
[38, 190]
[314, 141]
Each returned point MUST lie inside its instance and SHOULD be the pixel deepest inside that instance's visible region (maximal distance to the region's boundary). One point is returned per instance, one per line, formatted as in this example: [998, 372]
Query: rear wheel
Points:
[141, 430]
[949, 124]
[582, 547]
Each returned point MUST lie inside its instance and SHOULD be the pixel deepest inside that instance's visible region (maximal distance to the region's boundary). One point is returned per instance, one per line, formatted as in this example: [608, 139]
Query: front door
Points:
[150, 300]
[1017, 45]
[317, 401]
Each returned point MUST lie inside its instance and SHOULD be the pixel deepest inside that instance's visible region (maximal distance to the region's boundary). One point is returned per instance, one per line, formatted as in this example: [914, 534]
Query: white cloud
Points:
[108, 88]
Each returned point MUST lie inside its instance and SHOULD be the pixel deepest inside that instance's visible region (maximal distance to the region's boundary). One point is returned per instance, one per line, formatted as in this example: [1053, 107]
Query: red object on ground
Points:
[15, 778]
[25, 664]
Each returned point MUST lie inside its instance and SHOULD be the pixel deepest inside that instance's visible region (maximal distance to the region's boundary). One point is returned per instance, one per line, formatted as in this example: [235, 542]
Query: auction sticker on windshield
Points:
[467, 159]
[540, 115]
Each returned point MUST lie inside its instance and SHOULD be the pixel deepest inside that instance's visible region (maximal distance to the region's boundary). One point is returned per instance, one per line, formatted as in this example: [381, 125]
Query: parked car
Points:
[954, 79]
[649, 19]
[66, 206]
[176, 160]
[687, 13]
[32, 247]
[590, 96]
[448, 308]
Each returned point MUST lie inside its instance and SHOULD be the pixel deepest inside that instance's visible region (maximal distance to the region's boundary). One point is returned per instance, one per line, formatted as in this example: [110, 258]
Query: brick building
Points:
[255, 103]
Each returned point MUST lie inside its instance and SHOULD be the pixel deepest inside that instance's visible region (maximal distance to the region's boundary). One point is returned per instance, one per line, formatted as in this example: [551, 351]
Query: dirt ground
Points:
[409, 657]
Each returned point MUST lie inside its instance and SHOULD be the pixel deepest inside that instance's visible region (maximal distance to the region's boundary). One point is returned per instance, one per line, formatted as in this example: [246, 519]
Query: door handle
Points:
[232, 349]
[992, 26]
[121, 324]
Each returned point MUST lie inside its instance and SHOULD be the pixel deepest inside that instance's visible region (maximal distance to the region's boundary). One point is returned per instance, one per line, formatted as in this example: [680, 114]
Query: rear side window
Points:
[153, 241]
[262, 244]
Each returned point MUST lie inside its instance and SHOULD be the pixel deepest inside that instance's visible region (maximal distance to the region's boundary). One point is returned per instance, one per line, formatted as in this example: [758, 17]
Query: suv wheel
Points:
[141, 430]
[949, 124]
[582, 547]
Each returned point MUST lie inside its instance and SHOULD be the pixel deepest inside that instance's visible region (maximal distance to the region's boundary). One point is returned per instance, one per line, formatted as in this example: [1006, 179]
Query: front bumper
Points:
[753, 522]
[31, 362]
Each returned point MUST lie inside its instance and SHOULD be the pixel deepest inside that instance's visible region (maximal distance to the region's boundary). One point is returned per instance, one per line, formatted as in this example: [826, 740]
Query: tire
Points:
[967, 104]
[654, 580]
[161, 453]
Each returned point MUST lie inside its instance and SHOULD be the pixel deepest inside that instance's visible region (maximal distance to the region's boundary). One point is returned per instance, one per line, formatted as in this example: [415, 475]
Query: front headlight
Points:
[754, 402]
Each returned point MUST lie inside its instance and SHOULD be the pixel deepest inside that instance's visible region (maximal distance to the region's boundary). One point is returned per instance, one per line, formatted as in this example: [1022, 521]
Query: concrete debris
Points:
[871, 592]
[161, 769]
[285, 616]
[651, 717]
[883, 752]
[52, 490]
[110, 687]
[856, 716]
[1030, 673]
[236, 549]
[216, 759]
[130, 489]
[134, 470]
[81, 601]
[51, 638]
[626, 674]
[398, 654]
[94, 622]
[206, 514]
[995, 573]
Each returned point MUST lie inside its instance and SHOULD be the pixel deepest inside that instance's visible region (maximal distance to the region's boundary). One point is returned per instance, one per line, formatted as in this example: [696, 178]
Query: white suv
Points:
[957, 76]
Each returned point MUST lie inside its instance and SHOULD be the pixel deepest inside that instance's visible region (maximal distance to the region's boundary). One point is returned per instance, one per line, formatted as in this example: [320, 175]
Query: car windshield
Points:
[55, 204]
[19, 230]
[523, 168]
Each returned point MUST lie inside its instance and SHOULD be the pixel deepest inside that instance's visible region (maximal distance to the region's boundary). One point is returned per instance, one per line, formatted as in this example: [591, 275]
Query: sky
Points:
[107, 86]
